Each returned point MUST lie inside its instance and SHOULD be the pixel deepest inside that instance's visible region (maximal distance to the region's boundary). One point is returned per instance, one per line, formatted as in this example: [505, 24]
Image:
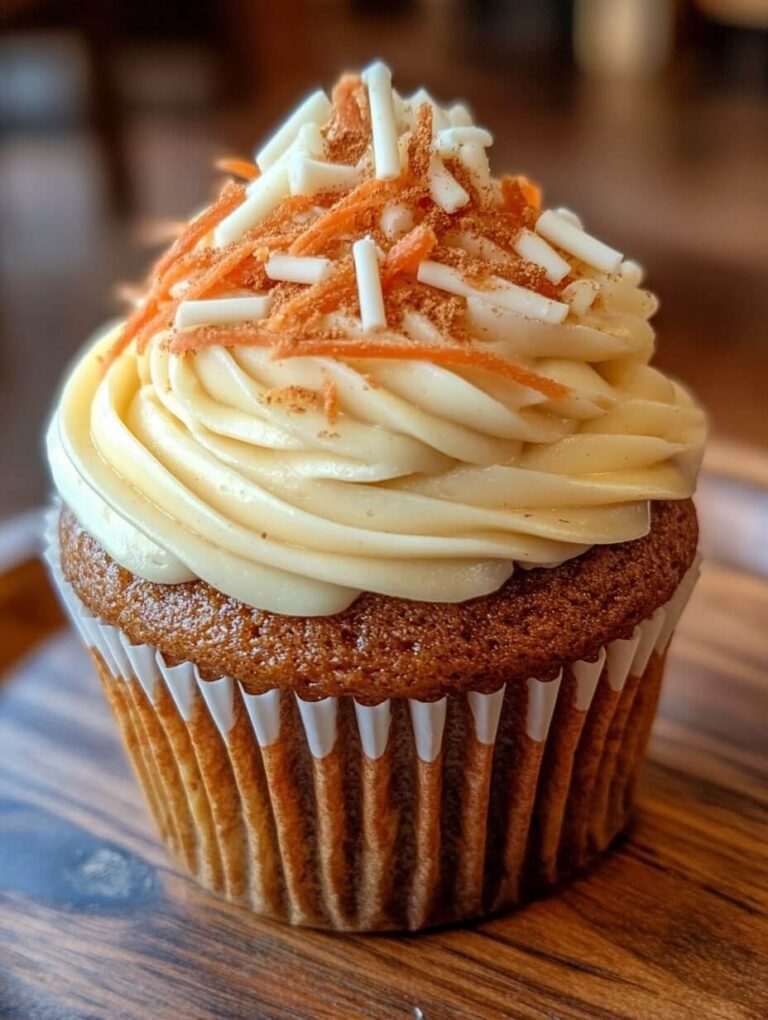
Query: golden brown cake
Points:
[377, 524]
[538, 622]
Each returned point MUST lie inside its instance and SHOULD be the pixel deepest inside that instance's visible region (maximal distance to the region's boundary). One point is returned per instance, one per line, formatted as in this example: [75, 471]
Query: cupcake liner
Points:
[401, 815]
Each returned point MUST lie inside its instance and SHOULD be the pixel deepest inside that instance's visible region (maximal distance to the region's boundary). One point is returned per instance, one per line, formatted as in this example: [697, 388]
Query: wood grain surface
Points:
[94, 923]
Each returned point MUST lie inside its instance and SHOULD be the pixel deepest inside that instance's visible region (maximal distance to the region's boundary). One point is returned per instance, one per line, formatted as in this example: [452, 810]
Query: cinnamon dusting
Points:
[297, 399]
[330, 400]
[420, 145]
[348, 132]
[327, 224]
[318, 299]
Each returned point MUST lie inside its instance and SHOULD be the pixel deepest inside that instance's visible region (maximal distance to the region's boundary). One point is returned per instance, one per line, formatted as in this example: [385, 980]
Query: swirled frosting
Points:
[342, 455]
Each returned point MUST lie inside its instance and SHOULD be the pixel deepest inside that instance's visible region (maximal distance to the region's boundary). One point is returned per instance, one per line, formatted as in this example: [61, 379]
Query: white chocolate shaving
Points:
[577, 242]
[418, 489]
[309, 141]
[581, 295]
[481, 247]
[308, 176]
[401, 117]
[396, 220]
[449, 140]
[386, 155]
[475, 160]
[632, 272]
[315, 109]
[369, 292]
[570, 215]
[221, 311]
[460, 116]
[264, 195]
[535, 249]
[297, 268]
[443, 186]
[504, 294]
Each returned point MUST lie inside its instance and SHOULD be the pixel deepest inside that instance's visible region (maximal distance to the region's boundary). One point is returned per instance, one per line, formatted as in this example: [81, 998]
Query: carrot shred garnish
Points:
[342, 214]
[330, 400]
[149, 319]
[133, 326]
[408, 252]
[468, 356]
[238, 167]
[231, 196]
[194, 260]
[294, 346]
[532, 193]
[344, 98]
[518, 190]
[326, 224]
[320, 298]
[198, 289]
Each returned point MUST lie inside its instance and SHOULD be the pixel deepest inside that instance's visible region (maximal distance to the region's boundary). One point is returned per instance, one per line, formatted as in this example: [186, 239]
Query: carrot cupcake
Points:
[377, 523]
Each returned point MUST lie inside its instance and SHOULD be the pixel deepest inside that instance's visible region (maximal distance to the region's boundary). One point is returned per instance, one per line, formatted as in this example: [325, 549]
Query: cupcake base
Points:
[403, 815]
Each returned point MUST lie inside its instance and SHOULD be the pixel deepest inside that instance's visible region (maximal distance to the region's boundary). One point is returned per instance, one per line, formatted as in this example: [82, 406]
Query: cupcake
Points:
[376, 522]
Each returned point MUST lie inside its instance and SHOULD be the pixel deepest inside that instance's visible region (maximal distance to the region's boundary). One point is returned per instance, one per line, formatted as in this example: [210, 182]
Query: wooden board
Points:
[94, 923]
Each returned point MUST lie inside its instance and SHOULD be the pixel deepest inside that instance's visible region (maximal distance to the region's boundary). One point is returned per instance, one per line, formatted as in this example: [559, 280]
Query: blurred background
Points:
[648, 116]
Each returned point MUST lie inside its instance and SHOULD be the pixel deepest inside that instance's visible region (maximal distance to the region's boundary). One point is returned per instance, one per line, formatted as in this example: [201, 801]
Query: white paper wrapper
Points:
[338, 814]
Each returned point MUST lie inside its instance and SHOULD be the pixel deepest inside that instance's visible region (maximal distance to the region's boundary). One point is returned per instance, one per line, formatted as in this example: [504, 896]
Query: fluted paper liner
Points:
[401, 815]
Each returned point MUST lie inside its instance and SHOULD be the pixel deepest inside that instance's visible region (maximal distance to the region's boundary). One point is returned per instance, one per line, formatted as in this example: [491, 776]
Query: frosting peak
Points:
[376, 367]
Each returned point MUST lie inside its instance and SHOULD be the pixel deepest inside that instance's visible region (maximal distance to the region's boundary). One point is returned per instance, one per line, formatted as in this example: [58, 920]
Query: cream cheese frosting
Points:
[429, 425]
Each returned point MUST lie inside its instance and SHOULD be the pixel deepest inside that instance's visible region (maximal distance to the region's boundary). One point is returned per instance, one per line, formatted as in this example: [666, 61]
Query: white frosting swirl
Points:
[430, 486]
[432, 482]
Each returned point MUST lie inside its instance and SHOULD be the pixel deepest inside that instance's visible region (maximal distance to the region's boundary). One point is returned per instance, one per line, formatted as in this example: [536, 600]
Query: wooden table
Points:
[95, 924]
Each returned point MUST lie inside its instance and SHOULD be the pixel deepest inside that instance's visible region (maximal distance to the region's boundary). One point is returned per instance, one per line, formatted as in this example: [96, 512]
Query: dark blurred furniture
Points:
[94, 21]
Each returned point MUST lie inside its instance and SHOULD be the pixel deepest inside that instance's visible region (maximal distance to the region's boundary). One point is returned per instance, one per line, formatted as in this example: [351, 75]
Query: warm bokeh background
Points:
[648, 116]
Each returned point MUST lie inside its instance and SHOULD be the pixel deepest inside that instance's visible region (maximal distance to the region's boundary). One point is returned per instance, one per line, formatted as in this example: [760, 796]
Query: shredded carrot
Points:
[231, 196]
[345, 102]
[203, 285]
[320, 298]
[291, 345]
[217, 263]
[518, 190]
[472, 357]
[193, 261]
[290, 207]
[326, 224]
[330, 400]
[149, 317]
[408, 252]
[532, 193]
[229, 260]
[161, 320]
[342, 215]
[133, 326]
[238, 167]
